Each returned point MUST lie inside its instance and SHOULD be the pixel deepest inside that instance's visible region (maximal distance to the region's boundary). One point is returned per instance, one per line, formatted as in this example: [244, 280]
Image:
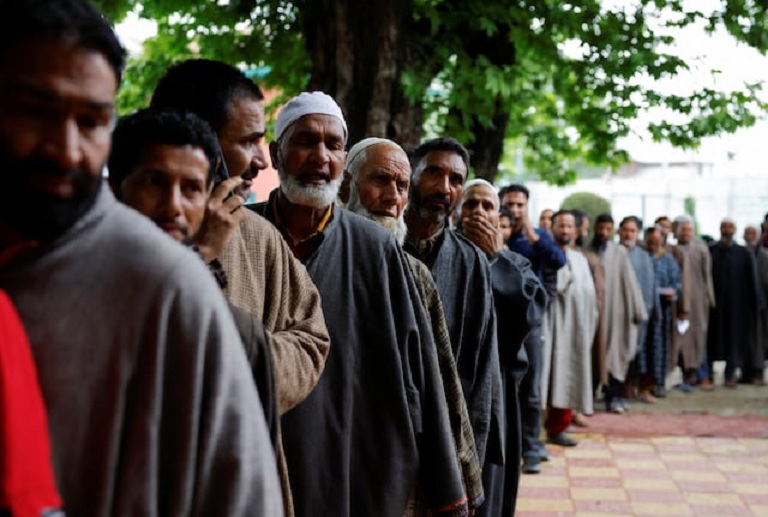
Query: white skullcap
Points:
[683, 219]
[307, 103]
[478, 182]
[357, 150]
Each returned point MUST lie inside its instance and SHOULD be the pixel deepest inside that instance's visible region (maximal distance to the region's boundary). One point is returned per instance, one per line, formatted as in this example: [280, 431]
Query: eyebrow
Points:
[46, 95]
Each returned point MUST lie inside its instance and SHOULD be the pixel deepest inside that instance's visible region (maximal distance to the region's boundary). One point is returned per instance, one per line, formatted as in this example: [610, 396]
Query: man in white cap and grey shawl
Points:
[377, 421]
[377, 176]
[731, 336]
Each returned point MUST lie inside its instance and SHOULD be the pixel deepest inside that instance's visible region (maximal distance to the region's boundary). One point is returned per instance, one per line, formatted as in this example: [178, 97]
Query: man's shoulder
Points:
[520, 260]
[256, 226]
[361, 228]
[462, 247]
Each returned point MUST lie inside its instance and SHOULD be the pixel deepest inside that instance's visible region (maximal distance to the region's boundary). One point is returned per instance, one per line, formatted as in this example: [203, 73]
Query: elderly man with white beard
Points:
[377, 176]
[377, 420]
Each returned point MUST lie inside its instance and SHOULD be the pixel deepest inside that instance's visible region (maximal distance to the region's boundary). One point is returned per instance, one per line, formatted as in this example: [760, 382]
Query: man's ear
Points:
[273, 154]
[344, 189]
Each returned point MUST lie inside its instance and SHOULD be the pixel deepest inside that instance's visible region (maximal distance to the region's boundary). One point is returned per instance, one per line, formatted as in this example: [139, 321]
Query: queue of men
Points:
[381, 336]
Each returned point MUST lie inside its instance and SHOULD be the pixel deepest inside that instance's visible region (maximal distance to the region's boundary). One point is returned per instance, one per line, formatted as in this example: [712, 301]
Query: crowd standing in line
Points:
[381, 336]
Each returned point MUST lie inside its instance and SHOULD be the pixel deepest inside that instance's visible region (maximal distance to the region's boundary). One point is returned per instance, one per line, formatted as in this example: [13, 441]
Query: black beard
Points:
[38, 215]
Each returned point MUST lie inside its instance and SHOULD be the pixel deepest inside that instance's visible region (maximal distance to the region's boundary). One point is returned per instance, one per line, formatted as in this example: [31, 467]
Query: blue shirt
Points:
[545, 256]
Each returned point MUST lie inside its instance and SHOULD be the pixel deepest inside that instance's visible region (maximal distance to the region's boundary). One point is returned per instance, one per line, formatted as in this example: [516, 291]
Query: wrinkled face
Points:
[751, 236]
[309, 159]
[481, 202]
[564, 229]
[242, 138]
[603, 232]
[727, 231]
[517, 204]
[653, 242]
[56, 115]
[505, 226]
[168, 185]
[382, 181]
[628, 233]
[545, 219]
[438, 182]
[684, 232]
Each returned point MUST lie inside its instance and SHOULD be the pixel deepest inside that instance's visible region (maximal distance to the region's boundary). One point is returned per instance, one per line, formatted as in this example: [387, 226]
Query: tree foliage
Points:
[563, 78]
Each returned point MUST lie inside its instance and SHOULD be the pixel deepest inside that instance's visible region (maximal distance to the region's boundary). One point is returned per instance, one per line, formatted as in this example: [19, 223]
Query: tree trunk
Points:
[487, 148]
[358, 51]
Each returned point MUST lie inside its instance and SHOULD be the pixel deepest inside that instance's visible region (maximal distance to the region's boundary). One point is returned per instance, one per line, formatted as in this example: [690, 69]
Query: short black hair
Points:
[515, 187]
[439, 144]
[563, 212]
[661, 218]
[151, 126]
[74, 22]
[631, 218]
[604, 218]
[505, 212]
[650, 230]
[206, 88]
[579, 216]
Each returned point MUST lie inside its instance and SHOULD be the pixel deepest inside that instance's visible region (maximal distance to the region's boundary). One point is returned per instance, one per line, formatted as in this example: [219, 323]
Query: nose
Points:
[444, 185]
[259, 160]
[390, 193]
[64, 144]
[321, 154]
[172, 202]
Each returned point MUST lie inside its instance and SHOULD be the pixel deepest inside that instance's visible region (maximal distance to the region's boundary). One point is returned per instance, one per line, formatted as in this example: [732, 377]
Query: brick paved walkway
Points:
[618, 469]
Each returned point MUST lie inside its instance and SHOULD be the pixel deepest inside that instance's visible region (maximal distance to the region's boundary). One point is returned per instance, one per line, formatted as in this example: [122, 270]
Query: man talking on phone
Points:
[263, 276]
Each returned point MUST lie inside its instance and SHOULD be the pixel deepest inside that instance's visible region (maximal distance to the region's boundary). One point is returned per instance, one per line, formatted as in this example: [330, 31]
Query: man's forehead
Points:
[59, 71]
[247, 112]
[515, 196]
[318, 123]
[481, 192]
[154, 153]
[444, 155]
[387, 158]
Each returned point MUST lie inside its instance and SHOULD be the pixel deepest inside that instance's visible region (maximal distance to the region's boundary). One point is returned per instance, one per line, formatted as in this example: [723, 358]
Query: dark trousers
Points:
[530, 396]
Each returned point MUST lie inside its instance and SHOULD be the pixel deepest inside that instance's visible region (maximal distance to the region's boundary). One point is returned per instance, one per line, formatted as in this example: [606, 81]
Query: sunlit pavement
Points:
[690, 454]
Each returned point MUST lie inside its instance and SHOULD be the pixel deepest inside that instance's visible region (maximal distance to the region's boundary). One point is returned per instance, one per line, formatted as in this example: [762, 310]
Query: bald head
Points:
[377, 176]
[752, 235]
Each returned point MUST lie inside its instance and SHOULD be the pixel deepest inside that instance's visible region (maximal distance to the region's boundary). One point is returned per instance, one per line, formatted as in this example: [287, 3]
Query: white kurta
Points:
[570, 330]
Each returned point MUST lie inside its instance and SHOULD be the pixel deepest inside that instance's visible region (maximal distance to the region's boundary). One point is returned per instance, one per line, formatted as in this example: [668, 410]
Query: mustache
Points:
[37, 166]
[167, 222]
[437, 198]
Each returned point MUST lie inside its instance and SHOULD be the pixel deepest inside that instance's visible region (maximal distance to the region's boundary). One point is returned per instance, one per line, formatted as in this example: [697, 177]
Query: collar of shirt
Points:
[303, 248]
[423, 249]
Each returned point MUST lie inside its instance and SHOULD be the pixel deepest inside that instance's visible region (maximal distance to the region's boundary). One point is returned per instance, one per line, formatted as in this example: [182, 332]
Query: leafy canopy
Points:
[569, 76]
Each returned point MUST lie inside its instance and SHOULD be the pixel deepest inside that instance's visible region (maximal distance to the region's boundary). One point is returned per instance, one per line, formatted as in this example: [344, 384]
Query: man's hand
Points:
[483, 234]
[529, 230]
[222, 215]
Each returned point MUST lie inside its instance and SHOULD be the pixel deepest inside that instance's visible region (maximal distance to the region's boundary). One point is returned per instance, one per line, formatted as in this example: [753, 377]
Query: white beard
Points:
[396, 225]
[313, 196]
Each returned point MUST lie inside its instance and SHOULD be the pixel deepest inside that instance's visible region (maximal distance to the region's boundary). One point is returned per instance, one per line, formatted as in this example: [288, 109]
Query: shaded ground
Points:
[690, 454]
[744, 400]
